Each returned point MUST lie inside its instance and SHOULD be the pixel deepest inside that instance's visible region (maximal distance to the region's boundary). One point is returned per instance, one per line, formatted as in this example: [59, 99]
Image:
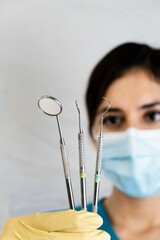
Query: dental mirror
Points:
[50, 105]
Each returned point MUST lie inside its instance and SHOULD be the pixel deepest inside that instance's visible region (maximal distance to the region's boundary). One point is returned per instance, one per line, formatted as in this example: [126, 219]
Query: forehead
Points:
[136, 87]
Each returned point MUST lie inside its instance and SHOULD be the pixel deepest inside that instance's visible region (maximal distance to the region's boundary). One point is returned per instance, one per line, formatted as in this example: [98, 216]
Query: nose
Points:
[132, 122]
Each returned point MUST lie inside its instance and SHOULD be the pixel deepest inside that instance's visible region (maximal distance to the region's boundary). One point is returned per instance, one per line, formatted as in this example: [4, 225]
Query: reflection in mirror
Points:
[50, 105]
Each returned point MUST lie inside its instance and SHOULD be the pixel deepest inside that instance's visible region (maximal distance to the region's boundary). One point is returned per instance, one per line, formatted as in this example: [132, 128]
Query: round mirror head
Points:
[50, 105]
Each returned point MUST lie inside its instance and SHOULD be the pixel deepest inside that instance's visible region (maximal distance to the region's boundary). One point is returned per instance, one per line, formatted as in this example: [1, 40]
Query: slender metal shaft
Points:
[97, 178]
[66, 167]
[82, 170]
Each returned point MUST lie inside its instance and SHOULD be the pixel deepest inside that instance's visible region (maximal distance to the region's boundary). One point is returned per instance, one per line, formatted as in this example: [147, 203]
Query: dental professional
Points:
[129, 76]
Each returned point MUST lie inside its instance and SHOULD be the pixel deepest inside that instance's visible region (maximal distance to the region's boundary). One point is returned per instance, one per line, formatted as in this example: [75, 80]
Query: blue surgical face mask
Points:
[131, 161]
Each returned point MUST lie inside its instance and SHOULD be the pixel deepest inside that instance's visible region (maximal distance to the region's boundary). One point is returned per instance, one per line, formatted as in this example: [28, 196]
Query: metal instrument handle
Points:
[82, 171]
[67, 174]
[97, 178]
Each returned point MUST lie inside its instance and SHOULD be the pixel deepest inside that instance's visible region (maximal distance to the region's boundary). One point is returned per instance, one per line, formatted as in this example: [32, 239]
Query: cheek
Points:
[94, 141]
[94, 138]
[96, 127]
[94, 132]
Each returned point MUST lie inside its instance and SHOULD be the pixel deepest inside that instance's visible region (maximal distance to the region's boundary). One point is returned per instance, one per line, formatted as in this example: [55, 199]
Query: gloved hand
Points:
[62, 225]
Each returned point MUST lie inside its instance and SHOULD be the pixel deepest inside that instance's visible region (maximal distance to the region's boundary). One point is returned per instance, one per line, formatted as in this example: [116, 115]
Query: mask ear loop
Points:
[97, 178]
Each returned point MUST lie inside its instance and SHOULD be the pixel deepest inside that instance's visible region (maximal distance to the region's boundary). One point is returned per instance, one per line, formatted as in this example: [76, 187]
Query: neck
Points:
[139, 213]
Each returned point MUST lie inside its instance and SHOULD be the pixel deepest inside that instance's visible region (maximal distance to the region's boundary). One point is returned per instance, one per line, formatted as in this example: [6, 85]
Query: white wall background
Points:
[49, 47]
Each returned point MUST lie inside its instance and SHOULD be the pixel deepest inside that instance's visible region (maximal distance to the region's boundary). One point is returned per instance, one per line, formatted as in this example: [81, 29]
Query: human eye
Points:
[152, 116]
[113, 121]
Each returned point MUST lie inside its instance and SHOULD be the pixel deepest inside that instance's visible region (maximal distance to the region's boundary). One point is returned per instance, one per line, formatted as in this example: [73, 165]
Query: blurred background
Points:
[50, 47]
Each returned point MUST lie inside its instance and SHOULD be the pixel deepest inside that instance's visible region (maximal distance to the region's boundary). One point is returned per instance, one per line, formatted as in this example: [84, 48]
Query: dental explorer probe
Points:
[52, 107]
[97, 178]
[82, 170]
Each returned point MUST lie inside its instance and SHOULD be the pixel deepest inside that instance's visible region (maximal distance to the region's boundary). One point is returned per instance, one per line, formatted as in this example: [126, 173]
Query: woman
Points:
[129, 77]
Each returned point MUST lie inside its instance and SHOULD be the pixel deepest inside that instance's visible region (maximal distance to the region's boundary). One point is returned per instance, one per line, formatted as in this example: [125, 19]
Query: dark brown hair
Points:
[114, 65]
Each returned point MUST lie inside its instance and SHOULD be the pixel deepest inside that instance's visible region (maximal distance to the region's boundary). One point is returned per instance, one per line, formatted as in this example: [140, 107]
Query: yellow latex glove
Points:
[62, 225]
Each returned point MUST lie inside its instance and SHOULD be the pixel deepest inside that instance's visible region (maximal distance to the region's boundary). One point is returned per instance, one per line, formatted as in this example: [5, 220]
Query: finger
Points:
[17, 229]
[66, 221]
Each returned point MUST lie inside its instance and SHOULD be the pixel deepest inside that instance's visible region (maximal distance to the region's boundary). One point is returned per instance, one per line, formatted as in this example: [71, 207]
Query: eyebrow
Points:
[110, 110]
[150, 105]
